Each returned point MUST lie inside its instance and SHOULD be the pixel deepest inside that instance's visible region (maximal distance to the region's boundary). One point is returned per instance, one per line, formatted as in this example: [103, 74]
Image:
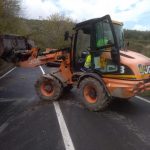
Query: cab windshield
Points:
[119, 35]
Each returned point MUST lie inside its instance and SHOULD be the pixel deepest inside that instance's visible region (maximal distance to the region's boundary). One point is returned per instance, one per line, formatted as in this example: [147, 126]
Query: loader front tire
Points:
[48, 89]
[94, 96]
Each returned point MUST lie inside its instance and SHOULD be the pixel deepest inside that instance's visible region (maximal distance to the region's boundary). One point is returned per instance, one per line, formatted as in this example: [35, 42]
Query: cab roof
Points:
[89, 22]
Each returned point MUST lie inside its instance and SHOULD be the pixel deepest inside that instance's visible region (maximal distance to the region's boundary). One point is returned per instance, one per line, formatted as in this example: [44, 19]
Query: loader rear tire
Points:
[94, 95]
[48, 89]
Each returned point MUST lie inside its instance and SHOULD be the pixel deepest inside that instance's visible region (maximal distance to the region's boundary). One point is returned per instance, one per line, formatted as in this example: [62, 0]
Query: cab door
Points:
[104, 50]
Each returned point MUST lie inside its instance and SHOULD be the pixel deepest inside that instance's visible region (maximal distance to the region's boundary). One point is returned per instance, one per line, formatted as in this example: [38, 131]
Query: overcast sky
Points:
[134, 13]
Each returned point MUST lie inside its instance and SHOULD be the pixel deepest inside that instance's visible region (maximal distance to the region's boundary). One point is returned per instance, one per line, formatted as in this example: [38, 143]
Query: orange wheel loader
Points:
[97, 62]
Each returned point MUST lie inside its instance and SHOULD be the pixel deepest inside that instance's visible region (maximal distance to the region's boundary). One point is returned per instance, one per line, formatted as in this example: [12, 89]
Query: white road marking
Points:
[42, 70]
[143, 99]
[3, 126]
[6, 100]
[63, 127]
[7, 73]
[62, 124]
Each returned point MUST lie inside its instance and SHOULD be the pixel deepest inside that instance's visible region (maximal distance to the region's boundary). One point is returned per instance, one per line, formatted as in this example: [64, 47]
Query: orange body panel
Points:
[66, 72]
[65, 69]
[133, 63]
[128, 85]
[119, 88]
[125, 88]
[132, 60]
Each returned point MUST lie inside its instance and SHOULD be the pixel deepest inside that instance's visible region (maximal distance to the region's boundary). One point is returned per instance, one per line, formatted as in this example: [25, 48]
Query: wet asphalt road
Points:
[27, 123]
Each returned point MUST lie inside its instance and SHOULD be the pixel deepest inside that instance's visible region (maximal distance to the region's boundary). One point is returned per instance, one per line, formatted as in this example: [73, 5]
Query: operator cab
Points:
[100, 40]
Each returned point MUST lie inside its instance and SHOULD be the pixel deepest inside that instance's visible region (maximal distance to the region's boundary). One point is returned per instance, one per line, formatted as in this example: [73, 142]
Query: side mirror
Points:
[66, 35]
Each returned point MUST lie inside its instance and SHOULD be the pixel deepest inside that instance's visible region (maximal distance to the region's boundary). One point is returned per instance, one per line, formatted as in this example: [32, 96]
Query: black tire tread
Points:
[100, 105]
[58, 89]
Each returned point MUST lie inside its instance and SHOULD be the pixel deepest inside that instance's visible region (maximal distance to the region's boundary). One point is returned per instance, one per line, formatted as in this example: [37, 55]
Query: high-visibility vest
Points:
[87, 63]
[101, 42]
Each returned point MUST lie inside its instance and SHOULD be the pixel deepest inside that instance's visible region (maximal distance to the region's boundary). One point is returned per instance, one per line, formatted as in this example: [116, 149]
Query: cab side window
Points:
[83, 47]
[83, 43]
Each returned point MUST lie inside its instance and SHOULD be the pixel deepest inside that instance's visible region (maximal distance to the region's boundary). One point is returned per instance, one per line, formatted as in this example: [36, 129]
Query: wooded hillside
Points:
[50, 32]
[138, 41]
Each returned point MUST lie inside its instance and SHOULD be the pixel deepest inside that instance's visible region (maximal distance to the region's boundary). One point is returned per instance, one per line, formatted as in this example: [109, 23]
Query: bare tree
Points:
[9, 12]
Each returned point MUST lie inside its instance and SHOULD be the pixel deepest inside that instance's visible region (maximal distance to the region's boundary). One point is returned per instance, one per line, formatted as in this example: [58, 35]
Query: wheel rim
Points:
[47, 89]
[90, 94]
